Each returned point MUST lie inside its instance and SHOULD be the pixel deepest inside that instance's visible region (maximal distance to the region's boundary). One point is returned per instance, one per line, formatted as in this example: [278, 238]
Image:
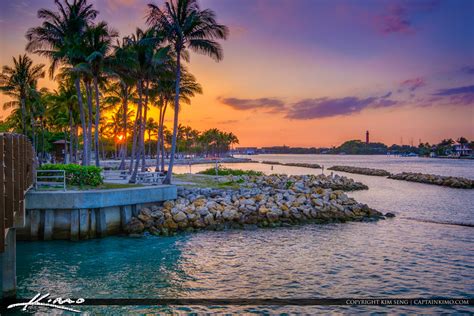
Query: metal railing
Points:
[50, 179]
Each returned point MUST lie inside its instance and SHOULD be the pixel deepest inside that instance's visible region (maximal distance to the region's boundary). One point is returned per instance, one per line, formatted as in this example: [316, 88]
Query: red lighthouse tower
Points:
[367, 137]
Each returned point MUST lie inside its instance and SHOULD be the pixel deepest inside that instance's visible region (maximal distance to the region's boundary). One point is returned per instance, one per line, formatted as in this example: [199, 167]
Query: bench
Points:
[115, 174]
[150, 177]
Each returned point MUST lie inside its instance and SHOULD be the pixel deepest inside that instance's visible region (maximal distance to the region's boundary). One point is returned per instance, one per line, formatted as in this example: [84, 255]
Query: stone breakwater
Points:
[304, 201]
[298, 184]
[360, 170]
[453, 182]
[294, 164]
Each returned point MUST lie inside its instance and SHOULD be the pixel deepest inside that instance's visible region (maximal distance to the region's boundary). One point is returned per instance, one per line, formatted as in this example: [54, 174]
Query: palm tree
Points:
[98, 44]
[13, 121]
[232, 139]
[63, 101]
[60, 38]
[121, 64]
[148, 56]
[185, 25]
[141, 46]
[37, 110]
[165, 88]
[150, 127]
[18, 82]
[116, 127]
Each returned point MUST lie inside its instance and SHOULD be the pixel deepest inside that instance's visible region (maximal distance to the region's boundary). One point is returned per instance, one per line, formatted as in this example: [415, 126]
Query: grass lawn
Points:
[230, 172]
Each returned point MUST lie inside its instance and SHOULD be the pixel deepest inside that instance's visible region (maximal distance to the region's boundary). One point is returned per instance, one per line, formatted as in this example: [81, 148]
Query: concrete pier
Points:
[8, 265]
[79, 215]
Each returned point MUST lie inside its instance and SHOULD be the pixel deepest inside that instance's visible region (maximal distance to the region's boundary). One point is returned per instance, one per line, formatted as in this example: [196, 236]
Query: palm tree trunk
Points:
[23, 115]
[104, 153]
[42, 137]
[124, 118]
[65, 145]
[85, 138]
[89, 121]
[157, 165]
[162, 136]
[71, 135]
[97, 119]
[33, 132]
[149, 143]
[142, 132]
[76, 142]
[135, 134]
[167, 179]
[138, 123]
[163, 154]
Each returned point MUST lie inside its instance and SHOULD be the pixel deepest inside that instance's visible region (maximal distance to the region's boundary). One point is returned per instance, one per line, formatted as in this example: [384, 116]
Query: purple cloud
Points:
[395, 20]
[452, 96]
[412, 84]
[463, 99]
[326, 107]
[397, 17]
[268, 104]
[455, 91]
[468, 70]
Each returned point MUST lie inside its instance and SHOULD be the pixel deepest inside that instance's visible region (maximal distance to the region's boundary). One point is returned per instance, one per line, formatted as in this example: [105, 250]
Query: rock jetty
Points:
[453, 182]
[360, 170]
[294, 164]
[268, 201]
[300, 183]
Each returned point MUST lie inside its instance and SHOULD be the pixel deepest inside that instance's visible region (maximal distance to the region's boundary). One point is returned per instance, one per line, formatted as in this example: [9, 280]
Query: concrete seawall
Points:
[75, 215]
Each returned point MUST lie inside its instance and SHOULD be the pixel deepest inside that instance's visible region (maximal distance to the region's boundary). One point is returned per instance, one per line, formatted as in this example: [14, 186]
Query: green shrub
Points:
[230, 172]
[78, 175]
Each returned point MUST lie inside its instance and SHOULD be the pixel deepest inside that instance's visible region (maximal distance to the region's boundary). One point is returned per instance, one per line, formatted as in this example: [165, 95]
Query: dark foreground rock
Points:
[452, 182]
[360, 170]
[270, 205]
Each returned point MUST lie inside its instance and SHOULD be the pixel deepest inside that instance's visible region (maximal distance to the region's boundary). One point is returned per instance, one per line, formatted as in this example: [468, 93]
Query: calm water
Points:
[402, 257]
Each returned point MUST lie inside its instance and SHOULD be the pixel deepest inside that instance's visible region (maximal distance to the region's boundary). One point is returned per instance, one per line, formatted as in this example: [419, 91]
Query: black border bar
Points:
[437, 301]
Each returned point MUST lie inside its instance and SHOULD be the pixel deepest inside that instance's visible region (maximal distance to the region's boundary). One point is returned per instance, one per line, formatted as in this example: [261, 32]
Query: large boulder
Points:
[229, 214]
[179, 217]
[135, 226]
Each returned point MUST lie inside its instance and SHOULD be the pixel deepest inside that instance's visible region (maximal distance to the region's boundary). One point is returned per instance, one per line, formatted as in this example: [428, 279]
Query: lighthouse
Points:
[367, 137]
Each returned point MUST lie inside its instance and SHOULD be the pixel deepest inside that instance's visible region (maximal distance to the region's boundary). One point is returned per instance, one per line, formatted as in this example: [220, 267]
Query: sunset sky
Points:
[315, 72]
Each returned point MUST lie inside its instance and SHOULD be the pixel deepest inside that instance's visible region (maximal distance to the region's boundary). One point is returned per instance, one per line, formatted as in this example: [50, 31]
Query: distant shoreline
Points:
[439, 157]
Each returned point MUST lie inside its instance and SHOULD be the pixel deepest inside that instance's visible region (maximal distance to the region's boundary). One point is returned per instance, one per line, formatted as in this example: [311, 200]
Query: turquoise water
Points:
[401, 257]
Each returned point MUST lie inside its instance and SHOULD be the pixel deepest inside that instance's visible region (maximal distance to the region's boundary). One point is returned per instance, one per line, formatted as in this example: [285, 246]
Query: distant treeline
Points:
[357, 147]
[291, 150]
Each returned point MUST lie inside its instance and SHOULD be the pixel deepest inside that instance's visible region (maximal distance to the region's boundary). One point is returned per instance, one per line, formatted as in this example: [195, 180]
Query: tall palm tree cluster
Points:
[211, 142]
[97, 71]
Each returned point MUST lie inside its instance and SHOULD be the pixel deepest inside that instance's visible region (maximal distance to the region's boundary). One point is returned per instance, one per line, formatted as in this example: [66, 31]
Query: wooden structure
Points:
[60, 151]
[16, 177]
